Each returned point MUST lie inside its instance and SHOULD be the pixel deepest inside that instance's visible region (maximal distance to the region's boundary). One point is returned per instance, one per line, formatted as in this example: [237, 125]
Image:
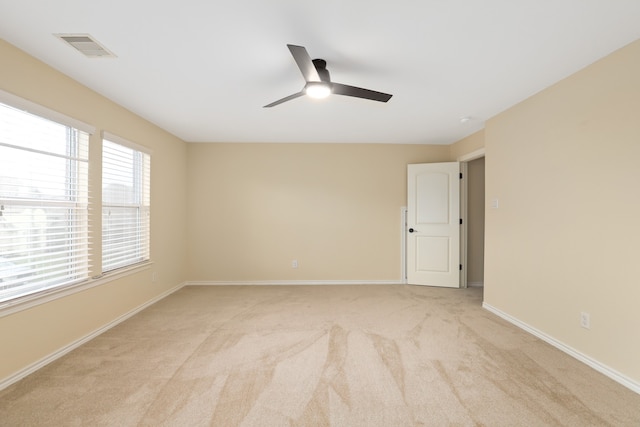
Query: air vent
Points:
[88, 46]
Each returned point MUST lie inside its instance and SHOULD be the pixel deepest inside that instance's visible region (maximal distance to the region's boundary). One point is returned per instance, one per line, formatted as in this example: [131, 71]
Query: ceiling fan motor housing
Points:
[321, 68]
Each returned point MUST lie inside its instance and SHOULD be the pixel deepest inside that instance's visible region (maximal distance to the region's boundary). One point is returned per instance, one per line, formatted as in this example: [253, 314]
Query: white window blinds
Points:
[43, 203]
[125, 203]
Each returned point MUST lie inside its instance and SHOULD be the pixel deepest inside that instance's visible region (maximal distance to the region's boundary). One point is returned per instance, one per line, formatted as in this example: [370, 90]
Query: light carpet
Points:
[317, 356]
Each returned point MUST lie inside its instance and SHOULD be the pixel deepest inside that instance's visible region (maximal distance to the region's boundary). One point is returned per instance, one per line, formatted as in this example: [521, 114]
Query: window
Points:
[43, 200]
[125, 203]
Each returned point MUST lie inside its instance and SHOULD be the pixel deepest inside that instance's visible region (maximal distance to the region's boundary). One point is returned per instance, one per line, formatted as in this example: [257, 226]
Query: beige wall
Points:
[336, 208]
[564, 166]
[32, 334]
[467, 145]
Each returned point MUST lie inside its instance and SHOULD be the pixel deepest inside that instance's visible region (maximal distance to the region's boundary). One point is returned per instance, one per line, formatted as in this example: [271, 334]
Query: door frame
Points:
[403, 244]
[464, 201]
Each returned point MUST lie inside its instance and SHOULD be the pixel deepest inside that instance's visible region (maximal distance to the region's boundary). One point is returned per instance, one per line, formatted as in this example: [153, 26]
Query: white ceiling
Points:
[202, 70]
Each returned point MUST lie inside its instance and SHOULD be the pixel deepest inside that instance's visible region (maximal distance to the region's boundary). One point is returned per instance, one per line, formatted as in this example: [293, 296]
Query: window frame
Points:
[141, 180]
[76, 202]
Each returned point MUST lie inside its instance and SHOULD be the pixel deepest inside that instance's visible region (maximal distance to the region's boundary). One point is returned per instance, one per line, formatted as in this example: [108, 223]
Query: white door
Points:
[433, 224]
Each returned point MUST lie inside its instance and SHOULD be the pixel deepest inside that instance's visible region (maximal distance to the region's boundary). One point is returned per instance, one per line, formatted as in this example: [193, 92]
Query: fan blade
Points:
[285, 99]
[304, 62]
[359, 92]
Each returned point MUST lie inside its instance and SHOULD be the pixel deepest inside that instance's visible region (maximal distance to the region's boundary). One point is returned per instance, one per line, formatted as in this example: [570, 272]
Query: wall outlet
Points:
[294, 263]
[585, 320]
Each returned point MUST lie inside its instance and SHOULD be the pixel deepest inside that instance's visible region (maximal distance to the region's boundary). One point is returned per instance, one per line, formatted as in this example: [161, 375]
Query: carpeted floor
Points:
[317, 356]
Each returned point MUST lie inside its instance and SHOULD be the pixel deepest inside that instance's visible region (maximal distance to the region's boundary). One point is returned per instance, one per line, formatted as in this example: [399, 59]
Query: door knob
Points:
[411, 230]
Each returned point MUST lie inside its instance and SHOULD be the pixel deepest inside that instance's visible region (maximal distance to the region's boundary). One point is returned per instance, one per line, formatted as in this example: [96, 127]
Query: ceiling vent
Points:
[88, 46]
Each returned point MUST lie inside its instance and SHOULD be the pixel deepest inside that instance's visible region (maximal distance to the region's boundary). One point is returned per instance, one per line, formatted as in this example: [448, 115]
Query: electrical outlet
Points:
[294, 263]
[585, 320]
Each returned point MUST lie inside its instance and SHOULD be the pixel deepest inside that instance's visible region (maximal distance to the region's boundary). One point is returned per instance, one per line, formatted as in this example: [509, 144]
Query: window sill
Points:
[28, 301]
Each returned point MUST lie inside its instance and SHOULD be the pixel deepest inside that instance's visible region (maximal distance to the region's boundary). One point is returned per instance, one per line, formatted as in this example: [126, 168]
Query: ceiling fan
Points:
[319, 84]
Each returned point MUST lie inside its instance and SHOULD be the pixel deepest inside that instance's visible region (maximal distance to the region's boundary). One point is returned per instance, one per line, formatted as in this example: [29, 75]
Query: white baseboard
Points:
[6, 382]
[600, 367]
[293, 282]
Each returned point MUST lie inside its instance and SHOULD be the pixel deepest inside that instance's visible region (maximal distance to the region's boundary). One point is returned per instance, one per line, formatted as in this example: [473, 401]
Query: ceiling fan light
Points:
[318, 90]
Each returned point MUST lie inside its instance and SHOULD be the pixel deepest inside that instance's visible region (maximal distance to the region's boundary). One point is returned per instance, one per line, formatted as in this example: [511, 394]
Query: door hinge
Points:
[460, 221]
[460, 267]
[460, 175]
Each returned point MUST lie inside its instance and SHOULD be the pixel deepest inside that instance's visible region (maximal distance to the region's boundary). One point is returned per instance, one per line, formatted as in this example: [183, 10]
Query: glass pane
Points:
[118, 173]
[121, 239]
[30, 175]
[20, 128]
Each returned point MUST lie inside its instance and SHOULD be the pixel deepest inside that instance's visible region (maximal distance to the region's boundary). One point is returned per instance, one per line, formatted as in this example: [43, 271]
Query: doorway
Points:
[475, 204]
[472, 212]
